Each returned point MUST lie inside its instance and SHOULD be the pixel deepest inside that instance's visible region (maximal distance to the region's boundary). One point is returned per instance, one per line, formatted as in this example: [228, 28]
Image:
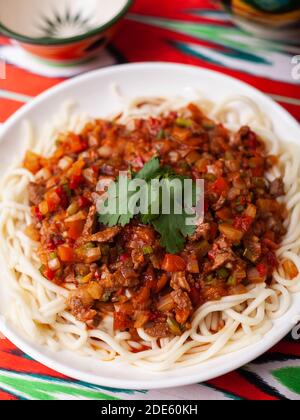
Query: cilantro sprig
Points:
[172, 227]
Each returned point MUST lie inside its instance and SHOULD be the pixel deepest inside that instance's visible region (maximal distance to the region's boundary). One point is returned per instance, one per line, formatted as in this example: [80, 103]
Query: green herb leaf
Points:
[150, 170]
[172, 227]
[173, 231]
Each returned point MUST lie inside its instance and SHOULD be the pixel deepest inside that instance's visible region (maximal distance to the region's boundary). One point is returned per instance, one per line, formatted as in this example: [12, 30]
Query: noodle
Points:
[218, 327]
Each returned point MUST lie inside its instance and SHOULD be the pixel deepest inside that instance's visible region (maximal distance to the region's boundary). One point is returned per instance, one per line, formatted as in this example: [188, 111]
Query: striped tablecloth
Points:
[186, 31]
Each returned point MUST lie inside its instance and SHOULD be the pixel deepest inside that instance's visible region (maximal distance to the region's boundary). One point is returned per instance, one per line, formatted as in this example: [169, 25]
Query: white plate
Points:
[92, 91]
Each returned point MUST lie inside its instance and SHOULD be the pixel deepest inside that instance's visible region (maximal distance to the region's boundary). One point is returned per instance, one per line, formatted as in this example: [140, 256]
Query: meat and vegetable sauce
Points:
[125, 271]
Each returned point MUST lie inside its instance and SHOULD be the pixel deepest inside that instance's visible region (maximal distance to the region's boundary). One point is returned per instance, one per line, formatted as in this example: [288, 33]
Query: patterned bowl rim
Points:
[63, 41]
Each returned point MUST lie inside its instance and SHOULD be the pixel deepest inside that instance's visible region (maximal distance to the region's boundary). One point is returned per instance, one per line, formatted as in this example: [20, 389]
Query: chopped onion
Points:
[43, 174]
[89, 175]
[95, 290]
[173, 325]
[130, 125]
[230, 232]
[65, 163]
[54, 264]
[211, 169]
[232, 165]
[105, 151]
[92, 255]
[166, 303]
[254, 277]
[250, 211]
[78, 216]
[128, 293]
[93, 140]
[239, 183]
[174, 156]
[233, 193]
[141, 319]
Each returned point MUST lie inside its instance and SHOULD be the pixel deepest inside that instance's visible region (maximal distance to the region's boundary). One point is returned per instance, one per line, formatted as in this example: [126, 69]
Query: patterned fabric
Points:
[187, 31]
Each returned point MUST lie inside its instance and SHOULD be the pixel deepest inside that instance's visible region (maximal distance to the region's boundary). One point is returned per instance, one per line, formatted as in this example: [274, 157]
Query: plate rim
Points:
[159, 383]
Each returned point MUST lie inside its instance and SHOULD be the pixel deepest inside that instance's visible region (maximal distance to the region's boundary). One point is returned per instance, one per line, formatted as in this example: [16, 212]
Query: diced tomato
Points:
[206, 206]
[161, 282]
[53, 200]
[173, 115]
[155, 315]
[270, 244]
[142, 296]
[262, 269]
[243, 223]
[213, 230]
[64, 201]
[58, 240]
[32, 162]
[219, 186]
[173, 263]
[50, 245]
[154, 124]
[83, 202]
[75, 181]
[77, 167]
[75, 229]
[212, 254]
[59, 153]
[124, 257]
[77, 143]
[121, 291]
[49, 274]
[37, 213]
[65, 253]
[121, 321]
[271, 260]
[182, 316]
[257, 172]
[97, 275]
[195, 296]
[197, 114]
[252, 142]
[224, 214]
[95, 169]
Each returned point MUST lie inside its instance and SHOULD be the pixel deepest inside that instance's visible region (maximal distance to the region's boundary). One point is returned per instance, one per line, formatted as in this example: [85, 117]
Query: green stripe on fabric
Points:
[289, 377]
[48, 390]
[226, 36]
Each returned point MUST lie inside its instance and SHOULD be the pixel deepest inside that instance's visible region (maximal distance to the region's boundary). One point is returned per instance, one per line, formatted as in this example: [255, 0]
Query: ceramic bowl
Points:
[270, 19]
[62, 30]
